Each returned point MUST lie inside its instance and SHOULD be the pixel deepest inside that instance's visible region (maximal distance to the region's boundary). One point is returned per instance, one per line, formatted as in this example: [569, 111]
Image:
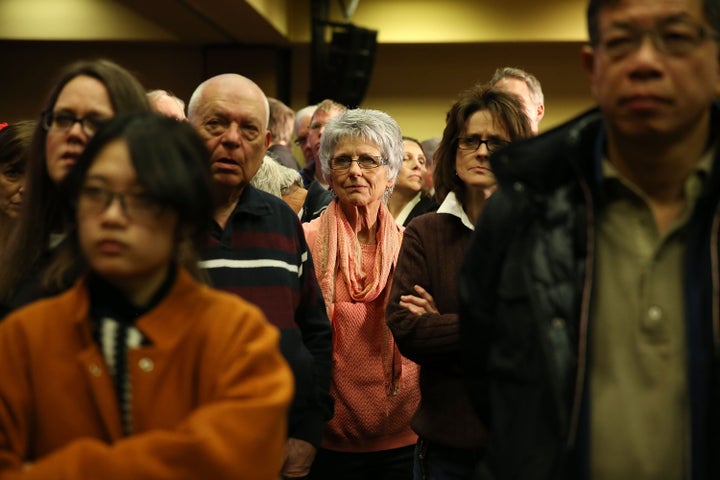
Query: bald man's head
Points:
[226, 83]
[231, 114]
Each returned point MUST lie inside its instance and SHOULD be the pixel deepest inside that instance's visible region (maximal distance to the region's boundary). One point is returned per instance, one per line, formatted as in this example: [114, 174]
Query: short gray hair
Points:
[275, 178]
[153, 95]
[226, 82]
[303, 113]
[371, 126]
[533, 84]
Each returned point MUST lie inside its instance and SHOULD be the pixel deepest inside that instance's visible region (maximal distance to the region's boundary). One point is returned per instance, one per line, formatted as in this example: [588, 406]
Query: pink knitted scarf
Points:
[339, 248]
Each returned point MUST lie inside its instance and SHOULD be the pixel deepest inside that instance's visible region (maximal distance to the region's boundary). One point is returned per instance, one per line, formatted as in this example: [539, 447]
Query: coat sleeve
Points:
[238, 433]
[311, 317]
[15, 398]
[479, 293]
[421, 338]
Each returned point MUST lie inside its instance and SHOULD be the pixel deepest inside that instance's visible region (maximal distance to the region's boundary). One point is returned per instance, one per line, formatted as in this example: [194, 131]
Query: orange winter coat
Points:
[209, 395]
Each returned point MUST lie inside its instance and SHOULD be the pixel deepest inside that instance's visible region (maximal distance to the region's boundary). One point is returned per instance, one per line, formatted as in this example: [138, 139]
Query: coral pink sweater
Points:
[372, 408]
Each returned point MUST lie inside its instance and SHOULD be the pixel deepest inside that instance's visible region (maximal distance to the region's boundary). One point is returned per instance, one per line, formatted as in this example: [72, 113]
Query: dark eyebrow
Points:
[677, 18]
[489, 137]
[496, 137]
[70, 111]
[670, 19]
[97, 177]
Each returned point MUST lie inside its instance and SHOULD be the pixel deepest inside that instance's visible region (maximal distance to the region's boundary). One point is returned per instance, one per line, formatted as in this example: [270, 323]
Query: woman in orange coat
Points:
[140, 371]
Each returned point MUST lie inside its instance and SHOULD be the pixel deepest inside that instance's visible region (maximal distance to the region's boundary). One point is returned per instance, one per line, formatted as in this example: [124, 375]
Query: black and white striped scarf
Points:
[113, 319]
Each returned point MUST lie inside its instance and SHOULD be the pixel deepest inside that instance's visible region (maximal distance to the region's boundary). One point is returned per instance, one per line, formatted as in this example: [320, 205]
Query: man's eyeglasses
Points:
[300, 141]
[474, 142]
[366, 162]
[676, 38]
[63, 121]
[94, 200]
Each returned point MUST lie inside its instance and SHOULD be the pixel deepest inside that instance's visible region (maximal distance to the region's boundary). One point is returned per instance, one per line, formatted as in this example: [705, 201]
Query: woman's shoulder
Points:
[188, 290]
[426, 221]
[50, 313]
[311, 229]
[439, 226]
[228, 311]
[198, 306]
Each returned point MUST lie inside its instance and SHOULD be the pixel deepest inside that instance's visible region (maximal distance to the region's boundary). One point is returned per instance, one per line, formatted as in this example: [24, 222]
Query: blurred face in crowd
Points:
[317, 126]
[83, 98]
[231, 115]
[519, 88]
[12, 182]
[302, 137]
[129, 240]
[654, 71]
[412, 174]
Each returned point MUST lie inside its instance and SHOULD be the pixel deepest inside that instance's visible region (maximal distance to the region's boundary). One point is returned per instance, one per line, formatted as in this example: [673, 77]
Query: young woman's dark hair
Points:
[172, 165]
[507, 112]
[41, 213]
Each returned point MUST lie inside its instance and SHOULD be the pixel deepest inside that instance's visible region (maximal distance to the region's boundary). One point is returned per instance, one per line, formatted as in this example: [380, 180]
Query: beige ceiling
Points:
[185, 21]
[281, 22]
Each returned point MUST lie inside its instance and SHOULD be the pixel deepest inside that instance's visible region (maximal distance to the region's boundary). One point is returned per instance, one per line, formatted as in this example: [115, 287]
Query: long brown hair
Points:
[507, 112]
[42, 212]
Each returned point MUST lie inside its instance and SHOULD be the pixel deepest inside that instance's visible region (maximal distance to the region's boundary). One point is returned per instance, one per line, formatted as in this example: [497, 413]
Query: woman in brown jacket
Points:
[422, 310]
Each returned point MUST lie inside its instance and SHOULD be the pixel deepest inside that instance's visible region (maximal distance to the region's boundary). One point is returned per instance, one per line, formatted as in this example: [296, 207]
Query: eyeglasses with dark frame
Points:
[365, 162]
[473, 142]
[300, 141]
[673, 37]
[94, 200]
[63, 121]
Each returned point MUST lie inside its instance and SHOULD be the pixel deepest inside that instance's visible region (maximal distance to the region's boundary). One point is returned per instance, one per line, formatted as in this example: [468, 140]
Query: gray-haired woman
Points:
[355, 245]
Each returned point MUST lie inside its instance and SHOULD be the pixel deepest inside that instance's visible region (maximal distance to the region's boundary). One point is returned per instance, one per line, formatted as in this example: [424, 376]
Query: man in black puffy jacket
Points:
[589, 297]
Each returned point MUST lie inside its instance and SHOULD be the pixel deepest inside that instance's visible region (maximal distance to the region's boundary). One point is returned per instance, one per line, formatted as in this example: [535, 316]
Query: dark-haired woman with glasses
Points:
[422, 310]
[87, 94]
[354, 245]
[139, 370]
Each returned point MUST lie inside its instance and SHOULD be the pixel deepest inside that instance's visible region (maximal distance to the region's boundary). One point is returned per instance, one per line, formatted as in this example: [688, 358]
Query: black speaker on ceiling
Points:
[341, 62]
